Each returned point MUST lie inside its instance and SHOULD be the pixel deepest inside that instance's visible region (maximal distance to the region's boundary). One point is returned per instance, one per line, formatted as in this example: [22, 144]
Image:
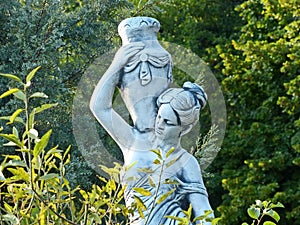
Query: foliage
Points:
[64, 37]
[197, 25]
[33, 186]
[261, 83]
[261, 209]
[254, 52]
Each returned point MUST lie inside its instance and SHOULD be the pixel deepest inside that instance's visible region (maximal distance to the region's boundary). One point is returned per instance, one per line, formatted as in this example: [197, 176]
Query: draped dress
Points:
[174, 204]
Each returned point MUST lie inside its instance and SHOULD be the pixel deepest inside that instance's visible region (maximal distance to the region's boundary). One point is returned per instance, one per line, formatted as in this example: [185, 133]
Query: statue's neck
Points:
[166, 145]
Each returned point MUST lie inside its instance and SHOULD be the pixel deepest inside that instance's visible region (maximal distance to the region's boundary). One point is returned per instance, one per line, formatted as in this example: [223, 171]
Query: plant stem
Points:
[156, 191]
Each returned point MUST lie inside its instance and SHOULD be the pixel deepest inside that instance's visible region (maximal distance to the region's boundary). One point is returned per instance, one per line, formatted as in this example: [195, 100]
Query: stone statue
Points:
[161, 117]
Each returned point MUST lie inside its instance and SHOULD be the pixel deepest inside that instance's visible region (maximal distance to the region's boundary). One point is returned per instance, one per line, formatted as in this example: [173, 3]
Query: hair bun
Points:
[197, 91]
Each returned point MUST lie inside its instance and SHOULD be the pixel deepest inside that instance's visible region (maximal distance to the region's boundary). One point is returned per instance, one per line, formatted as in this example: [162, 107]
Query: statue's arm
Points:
[192, 174]
[101, 100]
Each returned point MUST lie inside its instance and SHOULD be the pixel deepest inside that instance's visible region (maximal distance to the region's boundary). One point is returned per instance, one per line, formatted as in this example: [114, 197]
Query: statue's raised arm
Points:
[101, 100]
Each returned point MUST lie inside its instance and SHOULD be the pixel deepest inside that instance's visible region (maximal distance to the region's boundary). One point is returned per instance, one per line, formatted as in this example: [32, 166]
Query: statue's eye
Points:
[170, 123]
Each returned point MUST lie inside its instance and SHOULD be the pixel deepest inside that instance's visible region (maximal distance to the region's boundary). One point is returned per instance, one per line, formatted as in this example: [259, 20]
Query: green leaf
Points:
[12, 138]
[31, 74]
[111, 184]
[20, 95]
[151, 182]
[142, 191]
[8, 207]
[2, 177]
[10, 218]
[170, 152]
[273, 214]
[164, 196]
[38, 95]
[216, 220]
[17, 119]
[42, 144]
[171, 162]
[19, 173]
[84, 194]
[145, 170]
[278, 205]
[253, 212]
[175, 218]
[269, 223]
[140, 206]
[14, 115]
[15, 163]
[109, 171]
[169, 181]
[9, 92]
[15, 132]
[130, 166]
[204, 216]
[66, 152]
[157, 152]
[49, 176]
[11, 76]
[44, 107]
[156, 161]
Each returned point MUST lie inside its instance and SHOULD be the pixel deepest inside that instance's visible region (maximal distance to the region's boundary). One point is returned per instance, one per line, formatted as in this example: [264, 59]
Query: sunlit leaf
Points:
[9, 92]
[139, 202]
[20, 95]
[171, 162]
[33, 133]
[44, 107]
[11, 76]
[17, 119]
[164, 196]
[278, 205]
[12, 138]
[14, 115]
[130, 166]
[10, 218]
[42, 144]
[157, 152]
[31, 74]
[273, 214]
[49, 176]
[170, 152]
[253, 212]
[19, 173]
[216, 220]
[142, 191]
[15, 163]
[38, 95]
[151, 181]
[269, 223]
[156, 161]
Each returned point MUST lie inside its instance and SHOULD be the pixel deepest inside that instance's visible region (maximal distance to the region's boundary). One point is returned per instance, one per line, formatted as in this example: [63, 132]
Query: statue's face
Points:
[166, 124]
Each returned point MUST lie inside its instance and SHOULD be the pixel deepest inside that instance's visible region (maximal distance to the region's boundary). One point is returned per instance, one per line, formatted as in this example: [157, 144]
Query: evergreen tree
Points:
[261, 83]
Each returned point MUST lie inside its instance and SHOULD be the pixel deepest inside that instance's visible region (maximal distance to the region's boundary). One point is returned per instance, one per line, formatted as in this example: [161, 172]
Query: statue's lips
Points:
[157, 131]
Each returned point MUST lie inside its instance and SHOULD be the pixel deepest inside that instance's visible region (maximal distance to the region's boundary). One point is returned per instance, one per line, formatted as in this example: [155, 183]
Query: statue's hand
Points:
[125, 53]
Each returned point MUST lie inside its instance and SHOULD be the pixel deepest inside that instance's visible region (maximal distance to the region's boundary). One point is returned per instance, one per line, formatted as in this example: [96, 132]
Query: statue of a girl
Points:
[178, 110]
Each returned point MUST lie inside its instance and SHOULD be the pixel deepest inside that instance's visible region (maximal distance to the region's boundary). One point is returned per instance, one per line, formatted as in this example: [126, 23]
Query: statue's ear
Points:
[186, 129]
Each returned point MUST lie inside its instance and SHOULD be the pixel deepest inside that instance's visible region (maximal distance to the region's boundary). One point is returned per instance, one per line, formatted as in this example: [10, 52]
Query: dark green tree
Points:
[261, 83]
[63, 37]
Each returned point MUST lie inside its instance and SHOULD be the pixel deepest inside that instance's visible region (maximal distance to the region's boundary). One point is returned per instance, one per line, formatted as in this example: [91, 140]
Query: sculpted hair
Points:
[186, 103]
